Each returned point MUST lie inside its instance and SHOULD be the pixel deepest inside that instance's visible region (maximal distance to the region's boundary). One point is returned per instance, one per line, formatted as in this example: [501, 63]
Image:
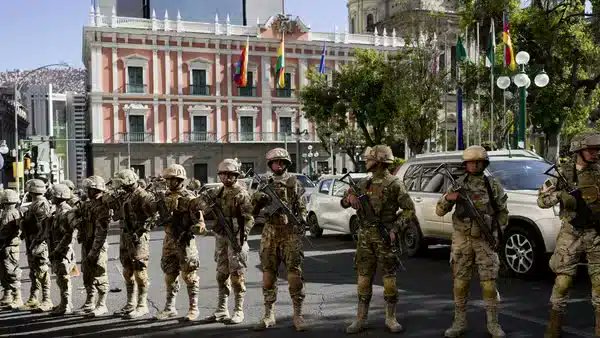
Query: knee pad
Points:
[295, 282]
[269, 280]
[562, 284]
[364, 286]
[141, 277]
[128, 274]
[190, 278]
[238, 283]
[390, 291]
[488, 289]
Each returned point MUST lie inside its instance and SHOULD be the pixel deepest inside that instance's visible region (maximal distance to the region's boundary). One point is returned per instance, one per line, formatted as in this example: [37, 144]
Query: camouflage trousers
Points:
[95, 272]
[279, 244]
[10, 271]
[180, 259]
[571, 246]
[467, 252]
[371, 251]
[134, 259]
[39, 266]
[230, 264]
[62, 267]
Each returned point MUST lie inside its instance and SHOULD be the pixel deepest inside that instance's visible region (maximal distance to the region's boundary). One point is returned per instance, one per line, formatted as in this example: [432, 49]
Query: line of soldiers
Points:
[49, 232]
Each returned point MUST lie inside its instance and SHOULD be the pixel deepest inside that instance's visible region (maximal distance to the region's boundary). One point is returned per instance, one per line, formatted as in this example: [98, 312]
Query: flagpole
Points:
[493, 59]
[478, 93]
[446, 92]
[467, 115]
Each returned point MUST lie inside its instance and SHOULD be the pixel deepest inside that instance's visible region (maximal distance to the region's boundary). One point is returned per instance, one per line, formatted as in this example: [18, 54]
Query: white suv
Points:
[531, 232]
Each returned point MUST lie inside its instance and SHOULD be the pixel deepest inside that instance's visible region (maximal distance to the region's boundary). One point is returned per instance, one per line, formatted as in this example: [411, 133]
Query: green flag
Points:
[461, 52]
[491, 47]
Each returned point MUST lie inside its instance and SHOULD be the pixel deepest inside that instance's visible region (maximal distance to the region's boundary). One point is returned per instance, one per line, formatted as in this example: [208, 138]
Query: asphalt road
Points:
[425, 307]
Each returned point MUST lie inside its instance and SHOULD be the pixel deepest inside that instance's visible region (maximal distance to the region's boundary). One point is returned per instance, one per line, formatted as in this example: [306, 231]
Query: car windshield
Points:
[306, 182]
[519, 175]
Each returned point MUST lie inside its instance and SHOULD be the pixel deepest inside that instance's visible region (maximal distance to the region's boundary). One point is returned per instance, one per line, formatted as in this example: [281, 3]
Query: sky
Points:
[40, 32]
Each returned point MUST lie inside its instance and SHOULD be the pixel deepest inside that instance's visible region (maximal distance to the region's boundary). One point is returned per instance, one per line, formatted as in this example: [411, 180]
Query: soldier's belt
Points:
[587, 226]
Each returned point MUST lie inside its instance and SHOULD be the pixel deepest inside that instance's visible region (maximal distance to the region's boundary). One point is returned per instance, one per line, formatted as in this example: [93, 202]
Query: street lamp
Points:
[310, 155]
[522, 81]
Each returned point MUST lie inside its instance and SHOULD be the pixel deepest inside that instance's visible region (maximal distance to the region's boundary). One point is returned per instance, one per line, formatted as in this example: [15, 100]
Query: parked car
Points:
[325, 210]
[531, 232]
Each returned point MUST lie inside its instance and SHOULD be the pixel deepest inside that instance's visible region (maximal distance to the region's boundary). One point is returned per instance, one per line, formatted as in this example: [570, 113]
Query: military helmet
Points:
[36, 186]
[61, 190]
[175, 171]
[278, 154]
[228, 165]
[475, 153]
[9, 196]
[69, 184]
[194, 184]
[95, 182]
[380, 153]
[585, 141]
[127, 177]
[142, 183]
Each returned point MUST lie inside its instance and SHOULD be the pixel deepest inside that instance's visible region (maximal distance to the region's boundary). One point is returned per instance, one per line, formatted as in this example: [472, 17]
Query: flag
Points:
[280, 68]
[490, 57]
[240, 76]
[509, 54]
[460, 145]
[322, 64]
[461, 52]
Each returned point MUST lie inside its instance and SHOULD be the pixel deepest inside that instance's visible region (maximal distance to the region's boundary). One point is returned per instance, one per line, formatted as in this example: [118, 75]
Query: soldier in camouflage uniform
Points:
[387, 195]
[93, 233]
[60, 233]
[194, 186]
[33, 229]
[134, 246]
[280, 243]
[469, 248]
[179, 252]
[74, 200]
[10, 231]
[237, 207]
[575, 240]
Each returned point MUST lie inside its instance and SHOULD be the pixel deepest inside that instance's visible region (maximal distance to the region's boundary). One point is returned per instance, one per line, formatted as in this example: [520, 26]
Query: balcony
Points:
[247, 91]
[199, 90]
[284, 92]
[199, 137]
[134, 137]
[269, 137]
[136, 88]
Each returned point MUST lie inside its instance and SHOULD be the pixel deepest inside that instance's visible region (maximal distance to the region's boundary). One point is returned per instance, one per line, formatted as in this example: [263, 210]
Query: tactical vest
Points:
[59, 226]
[588, 182]
[285, 187]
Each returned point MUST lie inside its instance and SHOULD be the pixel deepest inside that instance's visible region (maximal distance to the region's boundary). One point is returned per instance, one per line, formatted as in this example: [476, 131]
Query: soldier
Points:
[279, 242]
[93, 231]
[236, 205]
[33, 228]
[10, 271]
[134, 246]
[74, 198]
[469, 248]
[142, 183]
[387, 195]
[60, 235]
[179, 252]
[194, 186]
[579, 234]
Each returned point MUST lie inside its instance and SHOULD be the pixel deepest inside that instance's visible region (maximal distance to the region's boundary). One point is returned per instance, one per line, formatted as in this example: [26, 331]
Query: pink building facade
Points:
[162, 92]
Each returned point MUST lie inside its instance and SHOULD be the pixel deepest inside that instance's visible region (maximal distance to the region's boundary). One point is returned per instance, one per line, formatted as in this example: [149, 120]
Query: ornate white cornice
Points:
[136, 109]
[200, 110]
[285, 111]
[247, 110]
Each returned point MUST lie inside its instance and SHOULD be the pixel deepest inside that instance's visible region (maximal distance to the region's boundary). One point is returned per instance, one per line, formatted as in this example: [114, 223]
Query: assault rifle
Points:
[484, 225]
[224, 224]
[584, 215]
[128, 226]
[177, 221]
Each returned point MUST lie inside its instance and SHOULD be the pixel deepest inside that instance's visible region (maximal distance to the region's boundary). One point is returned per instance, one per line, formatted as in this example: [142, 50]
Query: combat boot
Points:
[170, 311]
[222, 312]
[238, 310]
[64, 308]
[553, 329]
[31, 303]
[193, 301]
[361, 319]
[88, 306]
[298, 318]
[390, 318]
[17, 301]
[268, 319]
[131, 304]
[100, 306]
[46, 304]
[492, 322]
[142, 304]
[7, 298]
[459, 325]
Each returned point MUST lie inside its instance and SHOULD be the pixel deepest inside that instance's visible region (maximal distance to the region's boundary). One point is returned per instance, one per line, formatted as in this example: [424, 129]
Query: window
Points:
[453, 62]
[199, 86]
[435, 185]
[352, 26]
[286, 91]
[135, 82]
[339, 188]
[201, 172]
[140, 170]
[199, 128]
[325, 186]
[285, 126]
[412, 176]
[137, 131]
[426, 175]
[370, 23]
[247, 166]
[246, 128]
[305, 181]
[526, 174]
[249, 90]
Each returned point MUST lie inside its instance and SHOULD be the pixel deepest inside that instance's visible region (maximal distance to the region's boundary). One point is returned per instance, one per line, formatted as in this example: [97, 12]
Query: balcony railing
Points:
[269, 137]
[199, 90]
[133, 137]
[199, 137]
[246, 91]
[284, 92]
[136, 88]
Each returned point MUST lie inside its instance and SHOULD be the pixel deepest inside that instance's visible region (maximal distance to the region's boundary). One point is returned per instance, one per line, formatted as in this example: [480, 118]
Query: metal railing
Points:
[284, 92]
[199, 137]
[246, 91]
[199, 90]
[269, 137]
[136, 88]
[133, 137]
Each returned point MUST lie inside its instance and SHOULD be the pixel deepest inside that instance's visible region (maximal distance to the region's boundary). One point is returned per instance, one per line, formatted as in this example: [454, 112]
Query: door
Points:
[140, 170]
[340, 217]
[199, 129]
[136, 128]
[246, 128]
[457, 170]
[201, 172]
[322, 200]
[431, 189]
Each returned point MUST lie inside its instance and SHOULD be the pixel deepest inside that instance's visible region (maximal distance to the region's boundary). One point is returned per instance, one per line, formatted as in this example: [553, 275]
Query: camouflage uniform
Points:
[280, 243]
[387, 195]
[10, 272]
[236, 205]
[33, 229]
[60, 235]
[179, 252]
[74, 200]
[469, 248]
[134, 246]
[194, 186]
[95, 218]
[574, 242]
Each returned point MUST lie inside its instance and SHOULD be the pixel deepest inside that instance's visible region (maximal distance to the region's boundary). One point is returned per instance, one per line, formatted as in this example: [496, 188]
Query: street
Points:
[425, 308]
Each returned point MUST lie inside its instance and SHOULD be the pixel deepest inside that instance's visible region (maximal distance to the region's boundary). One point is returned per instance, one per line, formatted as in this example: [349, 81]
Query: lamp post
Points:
[310, 155]
[332, 139]
[522, 81]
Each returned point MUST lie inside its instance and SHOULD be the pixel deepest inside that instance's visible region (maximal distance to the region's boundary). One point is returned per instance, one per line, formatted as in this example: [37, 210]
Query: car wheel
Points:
[412, 240]
[521, 251]
[313, 226]
[354, 226]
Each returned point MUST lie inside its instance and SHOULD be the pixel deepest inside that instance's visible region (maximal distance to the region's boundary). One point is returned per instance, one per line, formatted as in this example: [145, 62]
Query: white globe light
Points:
[521, 80]
[316, 155]
[522, 58]
[528, 82]
[542, 79]
[503, 82]
[309, 147]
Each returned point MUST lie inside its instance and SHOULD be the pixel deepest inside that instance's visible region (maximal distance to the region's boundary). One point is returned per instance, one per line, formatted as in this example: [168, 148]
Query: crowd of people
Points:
[62, 79]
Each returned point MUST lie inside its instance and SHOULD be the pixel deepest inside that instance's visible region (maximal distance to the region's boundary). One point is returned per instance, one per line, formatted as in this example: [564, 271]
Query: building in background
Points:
[7, 133]
[162, 92]
[78, 136]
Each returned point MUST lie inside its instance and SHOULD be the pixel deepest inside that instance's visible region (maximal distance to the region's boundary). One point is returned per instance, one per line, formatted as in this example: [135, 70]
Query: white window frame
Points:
[136, 61]
[285, 112]
[253, 67]
[201, 111]
[246, 111]
[135, 109]
[201, 64]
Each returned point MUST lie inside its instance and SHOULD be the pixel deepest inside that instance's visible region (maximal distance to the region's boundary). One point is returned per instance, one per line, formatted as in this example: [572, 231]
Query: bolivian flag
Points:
[509, 53]
[280, 68]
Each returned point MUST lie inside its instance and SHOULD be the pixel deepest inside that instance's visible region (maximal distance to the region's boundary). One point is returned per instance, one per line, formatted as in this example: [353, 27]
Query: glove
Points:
[568, 200]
